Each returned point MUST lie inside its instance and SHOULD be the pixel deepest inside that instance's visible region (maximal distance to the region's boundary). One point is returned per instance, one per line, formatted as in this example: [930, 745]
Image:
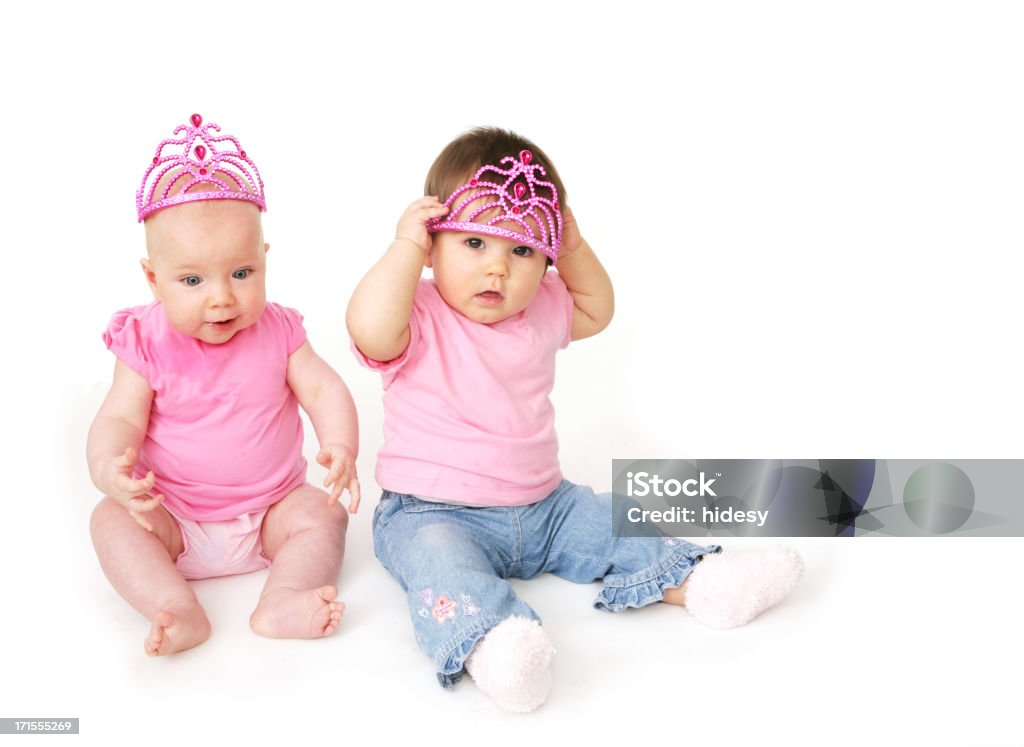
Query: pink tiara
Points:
[519, 198]
[180, 165]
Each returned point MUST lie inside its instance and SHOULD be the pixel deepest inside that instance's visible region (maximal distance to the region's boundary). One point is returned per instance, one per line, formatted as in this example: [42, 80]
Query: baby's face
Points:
[207, 265]
[486, 278]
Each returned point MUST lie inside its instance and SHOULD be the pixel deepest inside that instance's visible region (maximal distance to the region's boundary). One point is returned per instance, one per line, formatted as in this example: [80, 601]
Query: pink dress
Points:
[467, 414]
[224, 436]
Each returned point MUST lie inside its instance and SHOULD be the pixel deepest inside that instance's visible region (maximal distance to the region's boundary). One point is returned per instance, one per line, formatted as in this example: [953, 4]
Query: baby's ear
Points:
[147, 270]
[266, 247]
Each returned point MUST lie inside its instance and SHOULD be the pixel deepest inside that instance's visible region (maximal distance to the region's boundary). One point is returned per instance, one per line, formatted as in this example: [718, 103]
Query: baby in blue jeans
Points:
[473, 493]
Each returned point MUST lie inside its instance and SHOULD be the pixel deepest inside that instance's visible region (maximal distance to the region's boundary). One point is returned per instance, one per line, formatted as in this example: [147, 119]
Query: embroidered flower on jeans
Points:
[444, 609]
[468, 608]
[670, 541]
[427, 595]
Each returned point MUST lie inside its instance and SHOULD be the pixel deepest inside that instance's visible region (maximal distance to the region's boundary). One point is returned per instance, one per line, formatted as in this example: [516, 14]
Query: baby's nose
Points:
[497, 265]
[220, 295]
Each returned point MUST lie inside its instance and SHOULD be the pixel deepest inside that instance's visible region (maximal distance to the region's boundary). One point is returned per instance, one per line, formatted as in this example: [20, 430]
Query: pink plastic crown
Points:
[199, 156]
[519, 198]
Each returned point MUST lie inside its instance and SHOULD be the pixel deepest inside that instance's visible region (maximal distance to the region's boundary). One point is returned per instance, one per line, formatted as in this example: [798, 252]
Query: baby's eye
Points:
[192, 280]
[523, 251]
[240, 274]
[475, 243]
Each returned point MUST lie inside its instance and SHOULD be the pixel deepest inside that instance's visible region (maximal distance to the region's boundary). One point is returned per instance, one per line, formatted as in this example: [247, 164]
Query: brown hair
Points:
[481, 146]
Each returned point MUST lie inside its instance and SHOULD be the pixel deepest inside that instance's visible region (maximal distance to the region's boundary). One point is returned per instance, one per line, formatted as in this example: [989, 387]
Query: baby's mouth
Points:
[223, 322]
[490, 297]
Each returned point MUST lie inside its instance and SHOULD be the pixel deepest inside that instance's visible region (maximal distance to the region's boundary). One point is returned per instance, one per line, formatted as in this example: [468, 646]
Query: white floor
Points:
[886, 640]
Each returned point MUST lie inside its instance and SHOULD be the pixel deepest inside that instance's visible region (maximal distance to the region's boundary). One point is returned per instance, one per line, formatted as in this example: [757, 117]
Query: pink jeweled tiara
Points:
[520, 198]
[179, 165]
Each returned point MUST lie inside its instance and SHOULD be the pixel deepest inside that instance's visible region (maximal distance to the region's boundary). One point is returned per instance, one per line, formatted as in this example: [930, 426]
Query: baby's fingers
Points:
[354, 495]
[333, 472]
[135, 487]
[127, 459]
[145, 502]
[141, 520]
[337, 478]
[335, 493]
[432, 211]
[419, 213]
[429, 201]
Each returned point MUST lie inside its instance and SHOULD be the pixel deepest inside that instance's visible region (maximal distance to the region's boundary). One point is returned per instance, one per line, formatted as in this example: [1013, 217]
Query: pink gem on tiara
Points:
[201, 155]
[536, 220]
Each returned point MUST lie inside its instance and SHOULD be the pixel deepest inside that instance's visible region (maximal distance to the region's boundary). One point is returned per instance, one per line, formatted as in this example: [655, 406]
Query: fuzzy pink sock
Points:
[729, 589]
[511, 664]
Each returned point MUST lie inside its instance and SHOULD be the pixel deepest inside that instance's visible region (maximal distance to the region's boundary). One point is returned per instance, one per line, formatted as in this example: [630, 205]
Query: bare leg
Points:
[677, 595]
[140, 565]
[305, 539]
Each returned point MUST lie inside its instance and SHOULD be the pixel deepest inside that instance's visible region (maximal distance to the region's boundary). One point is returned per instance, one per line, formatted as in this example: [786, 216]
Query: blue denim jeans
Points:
[454, 561]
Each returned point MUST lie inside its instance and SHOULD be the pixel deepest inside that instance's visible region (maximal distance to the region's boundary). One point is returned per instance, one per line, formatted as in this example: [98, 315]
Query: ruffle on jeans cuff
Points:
[453, 658]
[648, 586]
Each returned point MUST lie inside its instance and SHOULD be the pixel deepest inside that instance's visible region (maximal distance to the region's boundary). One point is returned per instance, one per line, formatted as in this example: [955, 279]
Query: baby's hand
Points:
[571, 238]
[341, 473]
[133, 494]
[412, 226]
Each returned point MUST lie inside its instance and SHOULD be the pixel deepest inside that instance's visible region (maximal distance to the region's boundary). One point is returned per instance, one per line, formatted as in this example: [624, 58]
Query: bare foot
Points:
[294, 613]
[178, 626]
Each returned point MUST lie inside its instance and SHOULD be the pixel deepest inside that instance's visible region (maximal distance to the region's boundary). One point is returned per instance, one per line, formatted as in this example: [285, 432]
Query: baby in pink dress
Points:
[198, 445]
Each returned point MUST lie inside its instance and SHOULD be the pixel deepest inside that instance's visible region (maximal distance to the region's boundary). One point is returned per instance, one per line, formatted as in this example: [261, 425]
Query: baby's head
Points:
[200, 201]
[503, 227]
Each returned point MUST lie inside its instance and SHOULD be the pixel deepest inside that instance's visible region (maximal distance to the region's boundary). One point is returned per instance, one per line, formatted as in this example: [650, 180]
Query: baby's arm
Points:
[588, 283]
[326, 399]
[114, 441]
[379, 310]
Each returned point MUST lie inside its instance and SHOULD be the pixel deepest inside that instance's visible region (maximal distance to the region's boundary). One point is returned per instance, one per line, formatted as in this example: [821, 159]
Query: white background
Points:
[812, 216]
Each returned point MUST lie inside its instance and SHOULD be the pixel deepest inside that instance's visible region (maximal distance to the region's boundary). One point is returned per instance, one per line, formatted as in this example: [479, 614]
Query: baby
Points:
[473, 494]
[198, 445]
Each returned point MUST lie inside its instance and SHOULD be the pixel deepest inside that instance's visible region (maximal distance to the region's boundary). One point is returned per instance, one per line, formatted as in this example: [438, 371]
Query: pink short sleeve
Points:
[570, 308]
[425, 298]
[392, 366]
[289, 321]
[555, 303]
[122, 338]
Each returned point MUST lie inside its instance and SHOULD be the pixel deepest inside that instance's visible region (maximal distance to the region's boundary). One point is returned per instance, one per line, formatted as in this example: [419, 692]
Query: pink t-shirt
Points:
[224, 434]
[467, 418]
